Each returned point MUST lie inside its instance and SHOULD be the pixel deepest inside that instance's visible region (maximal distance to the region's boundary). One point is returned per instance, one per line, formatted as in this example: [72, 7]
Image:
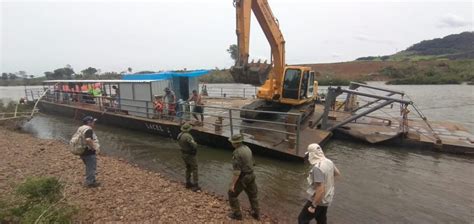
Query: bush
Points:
[217, 76]
[41, 189]
[37, 199]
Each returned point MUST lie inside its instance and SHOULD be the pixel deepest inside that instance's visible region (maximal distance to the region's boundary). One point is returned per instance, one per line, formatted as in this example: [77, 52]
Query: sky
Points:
[40, 36]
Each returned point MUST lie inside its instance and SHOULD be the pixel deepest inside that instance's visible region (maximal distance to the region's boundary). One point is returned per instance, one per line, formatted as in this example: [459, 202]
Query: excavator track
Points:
[262, 105]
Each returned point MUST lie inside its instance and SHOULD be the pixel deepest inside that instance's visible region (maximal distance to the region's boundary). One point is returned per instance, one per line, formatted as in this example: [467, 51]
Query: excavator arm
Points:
[256, 73]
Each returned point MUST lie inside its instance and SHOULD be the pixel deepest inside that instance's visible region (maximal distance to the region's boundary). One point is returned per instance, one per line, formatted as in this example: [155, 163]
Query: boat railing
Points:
[226, 121]
[244, 92]
[34, 94]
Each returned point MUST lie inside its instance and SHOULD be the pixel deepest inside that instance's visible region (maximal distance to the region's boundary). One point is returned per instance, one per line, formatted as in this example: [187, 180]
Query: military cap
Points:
[237, 138]
[186, 127]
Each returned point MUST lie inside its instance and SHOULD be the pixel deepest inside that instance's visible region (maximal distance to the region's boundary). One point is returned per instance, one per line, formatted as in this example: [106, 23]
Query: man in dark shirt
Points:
[91, 147]
[243, 178]
[189, 151]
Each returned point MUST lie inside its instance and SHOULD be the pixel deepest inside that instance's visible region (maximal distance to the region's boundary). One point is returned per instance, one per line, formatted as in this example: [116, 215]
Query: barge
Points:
[129, 104]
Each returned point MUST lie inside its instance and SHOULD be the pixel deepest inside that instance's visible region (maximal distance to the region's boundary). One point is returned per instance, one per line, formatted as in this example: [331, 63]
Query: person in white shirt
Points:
[321, 186]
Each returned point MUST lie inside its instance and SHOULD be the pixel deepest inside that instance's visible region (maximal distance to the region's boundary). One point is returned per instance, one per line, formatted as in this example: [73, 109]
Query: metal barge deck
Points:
[286, 136]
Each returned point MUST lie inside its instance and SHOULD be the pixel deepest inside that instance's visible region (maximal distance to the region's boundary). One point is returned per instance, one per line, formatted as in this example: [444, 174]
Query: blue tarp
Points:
[164, 75]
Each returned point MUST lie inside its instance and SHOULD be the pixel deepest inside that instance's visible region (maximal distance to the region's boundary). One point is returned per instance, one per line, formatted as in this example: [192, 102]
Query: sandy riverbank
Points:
[127, 194]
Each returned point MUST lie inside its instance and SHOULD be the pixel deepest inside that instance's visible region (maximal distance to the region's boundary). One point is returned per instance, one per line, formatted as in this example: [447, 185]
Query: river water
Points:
[379, 184]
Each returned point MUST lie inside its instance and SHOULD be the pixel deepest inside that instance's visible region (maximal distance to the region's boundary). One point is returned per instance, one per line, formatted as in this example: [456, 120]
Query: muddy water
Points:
[379, 185]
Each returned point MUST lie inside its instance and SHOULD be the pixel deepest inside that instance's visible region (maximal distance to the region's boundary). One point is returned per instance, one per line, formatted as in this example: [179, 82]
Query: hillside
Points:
[454, 47]
[447, 60]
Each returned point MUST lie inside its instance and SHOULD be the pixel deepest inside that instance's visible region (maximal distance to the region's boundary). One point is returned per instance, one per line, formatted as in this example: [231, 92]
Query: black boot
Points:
[189, 185]
[255, 215]
[235, 216]
[196, 188]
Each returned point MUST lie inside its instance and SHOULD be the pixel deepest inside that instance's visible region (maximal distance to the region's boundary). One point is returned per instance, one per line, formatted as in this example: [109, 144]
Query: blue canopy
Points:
[164, 75]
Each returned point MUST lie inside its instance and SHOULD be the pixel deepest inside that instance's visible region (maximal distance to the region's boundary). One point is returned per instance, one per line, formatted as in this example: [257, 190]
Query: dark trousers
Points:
[191, 168]
[91, 165]
[246, 182]
[306, 216]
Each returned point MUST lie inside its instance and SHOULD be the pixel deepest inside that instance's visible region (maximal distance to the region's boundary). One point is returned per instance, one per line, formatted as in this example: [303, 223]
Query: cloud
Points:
[366, 38]
[452, 21]
[362, 37]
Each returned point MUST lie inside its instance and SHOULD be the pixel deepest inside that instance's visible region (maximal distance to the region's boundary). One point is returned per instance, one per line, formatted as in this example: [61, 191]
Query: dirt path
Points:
[127, 193]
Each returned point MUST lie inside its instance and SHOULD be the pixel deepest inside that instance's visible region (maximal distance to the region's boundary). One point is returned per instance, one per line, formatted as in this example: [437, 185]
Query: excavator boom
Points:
[282, 88]
[256, 73]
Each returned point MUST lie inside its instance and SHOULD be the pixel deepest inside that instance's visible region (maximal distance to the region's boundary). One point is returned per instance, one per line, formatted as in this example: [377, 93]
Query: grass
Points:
[10, 107]
[217, 76]
[432, 72]
[37, 200]
[22, 82]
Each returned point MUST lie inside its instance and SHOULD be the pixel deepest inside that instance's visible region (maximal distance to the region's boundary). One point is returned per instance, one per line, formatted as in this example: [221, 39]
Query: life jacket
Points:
[158, 105]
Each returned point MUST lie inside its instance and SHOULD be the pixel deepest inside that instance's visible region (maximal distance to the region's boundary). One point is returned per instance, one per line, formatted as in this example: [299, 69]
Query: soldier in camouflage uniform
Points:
[189, 150]
[243, 178]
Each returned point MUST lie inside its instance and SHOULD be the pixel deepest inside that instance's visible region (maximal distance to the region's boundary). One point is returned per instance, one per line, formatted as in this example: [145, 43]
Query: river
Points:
[379, 184]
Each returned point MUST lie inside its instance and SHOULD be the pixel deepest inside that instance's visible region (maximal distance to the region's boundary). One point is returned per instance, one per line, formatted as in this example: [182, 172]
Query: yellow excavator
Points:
[282, 88]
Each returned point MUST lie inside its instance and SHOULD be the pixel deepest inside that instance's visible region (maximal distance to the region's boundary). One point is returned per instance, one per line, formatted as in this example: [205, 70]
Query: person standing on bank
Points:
[92, 148]
[243, 178]
[189, 151]
[198, 106]
[321, 186]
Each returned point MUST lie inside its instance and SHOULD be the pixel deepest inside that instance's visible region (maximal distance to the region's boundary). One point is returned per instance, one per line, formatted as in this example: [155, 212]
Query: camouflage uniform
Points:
[242, 162]
[189, 150]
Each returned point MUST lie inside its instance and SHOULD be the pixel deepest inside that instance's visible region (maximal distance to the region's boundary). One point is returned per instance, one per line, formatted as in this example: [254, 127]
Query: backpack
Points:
[77, 145]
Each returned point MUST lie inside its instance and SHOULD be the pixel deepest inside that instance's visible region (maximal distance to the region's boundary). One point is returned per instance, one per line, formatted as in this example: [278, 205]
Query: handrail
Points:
[149, 112]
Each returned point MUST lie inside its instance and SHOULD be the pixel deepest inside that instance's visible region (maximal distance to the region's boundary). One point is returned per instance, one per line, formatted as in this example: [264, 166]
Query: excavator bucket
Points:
[251, 73]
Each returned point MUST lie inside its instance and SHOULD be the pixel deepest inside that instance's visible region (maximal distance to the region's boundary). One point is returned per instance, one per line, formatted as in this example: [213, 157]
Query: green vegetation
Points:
[21, 78]
[233, 50]
[453, 47]
[10, 107]
[37, 200]
[437, 72]
[217, 76]
[447, 60]
[21, 82]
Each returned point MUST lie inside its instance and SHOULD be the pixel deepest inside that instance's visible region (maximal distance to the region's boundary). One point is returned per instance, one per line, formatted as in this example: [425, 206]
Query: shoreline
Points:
[127, 193]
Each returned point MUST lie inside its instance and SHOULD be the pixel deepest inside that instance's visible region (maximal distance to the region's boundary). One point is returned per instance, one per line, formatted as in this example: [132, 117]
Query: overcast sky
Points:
[39, 36]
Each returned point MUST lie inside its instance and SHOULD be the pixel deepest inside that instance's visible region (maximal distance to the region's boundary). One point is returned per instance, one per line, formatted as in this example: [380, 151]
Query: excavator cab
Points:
[291, 83]
[298, 84]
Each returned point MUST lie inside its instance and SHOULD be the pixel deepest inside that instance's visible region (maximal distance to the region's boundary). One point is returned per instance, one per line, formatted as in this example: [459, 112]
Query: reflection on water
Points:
[378, 185]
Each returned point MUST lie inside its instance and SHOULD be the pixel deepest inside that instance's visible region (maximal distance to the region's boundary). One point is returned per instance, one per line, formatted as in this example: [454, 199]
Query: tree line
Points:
[67, 73]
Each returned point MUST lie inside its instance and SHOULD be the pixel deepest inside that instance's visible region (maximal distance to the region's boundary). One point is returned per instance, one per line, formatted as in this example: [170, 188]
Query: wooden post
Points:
[218, 124]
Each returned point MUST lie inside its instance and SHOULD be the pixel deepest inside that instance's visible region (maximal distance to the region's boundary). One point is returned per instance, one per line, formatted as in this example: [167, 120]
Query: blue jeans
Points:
[91, 164]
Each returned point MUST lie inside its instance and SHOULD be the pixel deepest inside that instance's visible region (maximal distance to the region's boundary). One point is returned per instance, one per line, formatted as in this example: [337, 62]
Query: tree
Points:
[110, 75]
[233, 51]
[89, 71]
[32, 76]
[4, 76]
[12, 76]
[63, 73]
[49, 75]
[60, 73]
[129, 69]
[22, 74]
